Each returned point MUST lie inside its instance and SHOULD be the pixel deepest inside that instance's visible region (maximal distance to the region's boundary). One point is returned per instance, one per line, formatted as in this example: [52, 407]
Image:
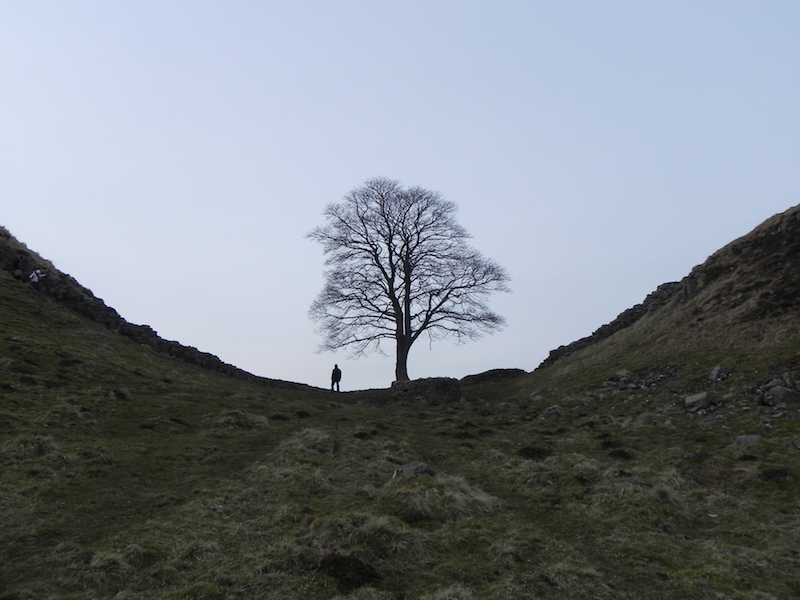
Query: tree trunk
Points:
[401, 367]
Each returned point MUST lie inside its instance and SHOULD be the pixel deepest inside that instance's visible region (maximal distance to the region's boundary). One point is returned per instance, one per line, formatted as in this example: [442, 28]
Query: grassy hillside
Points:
[742, 305]
[131, 474]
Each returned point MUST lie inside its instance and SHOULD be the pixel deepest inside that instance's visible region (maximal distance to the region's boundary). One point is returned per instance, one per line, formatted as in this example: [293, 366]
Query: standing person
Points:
[336, 377]
[36, 279]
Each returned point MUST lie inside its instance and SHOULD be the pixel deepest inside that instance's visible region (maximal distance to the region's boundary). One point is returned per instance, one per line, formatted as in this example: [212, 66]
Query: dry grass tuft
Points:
[26, 446]
[368, 593]
[65, 414]
[504, 554]
[568, 577]
[308, 444]
[370, 537]
[454, 592]
[289, 555]
[109, 562]
[199, 550]
[237, 419]
[440, 498]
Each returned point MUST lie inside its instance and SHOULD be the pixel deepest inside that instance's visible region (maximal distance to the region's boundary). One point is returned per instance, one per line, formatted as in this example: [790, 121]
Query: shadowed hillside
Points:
[659, 462]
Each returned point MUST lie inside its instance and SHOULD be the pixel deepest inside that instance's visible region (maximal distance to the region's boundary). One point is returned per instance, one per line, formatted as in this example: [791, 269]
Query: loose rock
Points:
[695, 402]
[781, 394]
[411, 470]
[551, 412]
[748, 440]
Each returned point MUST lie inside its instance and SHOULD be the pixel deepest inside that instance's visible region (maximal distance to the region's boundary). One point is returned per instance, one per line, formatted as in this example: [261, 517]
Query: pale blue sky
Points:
[171, 155]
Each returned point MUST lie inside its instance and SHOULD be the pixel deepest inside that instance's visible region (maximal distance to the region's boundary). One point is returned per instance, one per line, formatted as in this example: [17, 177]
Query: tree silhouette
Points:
[399, 266]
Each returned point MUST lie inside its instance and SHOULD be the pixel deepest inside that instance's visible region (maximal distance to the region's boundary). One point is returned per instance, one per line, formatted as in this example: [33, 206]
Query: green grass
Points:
[130, 475]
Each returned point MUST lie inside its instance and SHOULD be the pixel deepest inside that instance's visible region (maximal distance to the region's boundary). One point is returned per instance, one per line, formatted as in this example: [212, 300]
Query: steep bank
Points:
[19, 261]
[745, 296]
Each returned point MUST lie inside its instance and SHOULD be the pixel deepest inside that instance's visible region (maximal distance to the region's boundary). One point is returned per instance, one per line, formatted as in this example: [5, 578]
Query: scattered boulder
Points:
[719, 374]
[411, 470]
[433, 390]
[695, 402]
[643, 379]
[781, 394]
[123, 394]
[551, 413]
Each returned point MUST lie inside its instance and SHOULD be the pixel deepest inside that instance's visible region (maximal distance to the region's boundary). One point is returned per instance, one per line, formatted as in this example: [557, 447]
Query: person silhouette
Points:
[336, 377]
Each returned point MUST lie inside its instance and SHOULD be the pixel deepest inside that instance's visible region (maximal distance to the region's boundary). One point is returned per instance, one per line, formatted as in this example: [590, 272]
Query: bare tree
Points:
[399, 266]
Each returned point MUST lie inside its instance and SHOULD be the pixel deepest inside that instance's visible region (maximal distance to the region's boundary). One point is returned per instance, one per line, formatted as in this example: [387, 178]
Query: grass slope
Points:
[127, 474]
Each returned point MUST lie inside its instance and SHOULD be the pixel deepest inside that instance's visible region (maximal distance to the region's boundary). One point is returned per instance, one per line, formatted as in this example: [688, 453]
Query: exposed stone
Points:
[492, 376]
[719, 374]
[797, 443]
[119, 394]
[748, 440]
[551, 412]
[790, 377]
[696, 402]
[411, 470]
[434, 390]
[781, 394]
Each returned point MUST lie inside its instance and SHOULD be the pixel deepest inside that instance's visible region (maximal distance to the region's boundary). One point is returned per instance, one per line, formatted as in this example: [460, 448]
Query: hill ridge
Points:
[750, 278]
[66, 290]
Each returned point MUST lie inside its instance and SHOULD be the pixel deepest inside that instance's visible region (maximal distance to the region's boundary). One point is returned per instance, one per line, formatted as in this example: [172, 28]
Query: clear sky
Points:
[171, 155]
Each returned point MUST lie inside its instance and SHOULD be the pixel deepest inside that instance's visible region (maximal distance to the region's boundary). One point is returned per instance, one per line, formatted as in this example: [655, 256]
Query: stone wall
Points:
[65, 290]
[434, 390]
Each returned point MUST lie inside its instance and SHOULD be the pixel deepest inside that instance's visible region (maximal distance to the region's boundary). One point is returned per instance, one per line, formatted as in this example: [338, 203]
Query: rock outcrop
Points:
[433, 390]
[492, 376]
[652, 302]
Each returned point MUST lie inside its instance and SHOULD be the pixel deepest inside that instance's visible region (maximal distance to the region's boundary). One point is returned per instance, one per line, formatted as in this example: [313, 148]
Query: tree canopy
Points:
[399, 266]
